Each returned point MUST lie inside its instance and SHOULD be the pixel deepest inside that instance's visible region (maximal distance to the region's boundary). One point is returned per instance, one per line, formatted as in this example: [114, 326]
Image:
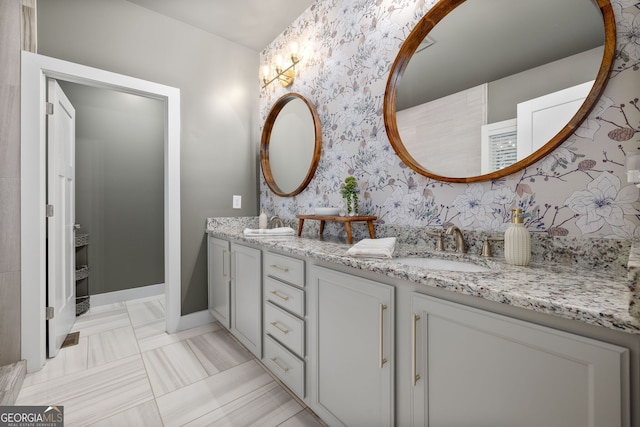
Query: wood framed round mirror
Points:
[291, 145]
[455, 54]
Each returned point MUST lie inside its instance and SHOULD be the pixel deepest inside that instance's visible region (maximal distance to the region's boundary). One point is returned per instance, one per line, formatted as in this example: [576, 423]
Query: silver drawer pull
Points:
[275, 325]
[282, 297]
[383, 360]
[415, 377]
[275, 362]
[285, 269]
[224, 262]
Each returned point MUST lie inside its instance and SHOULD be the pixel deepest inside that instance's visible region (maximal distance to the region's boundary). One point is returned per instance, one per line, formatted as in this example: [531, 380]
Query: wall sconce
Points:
[633, 169]
[284, 76]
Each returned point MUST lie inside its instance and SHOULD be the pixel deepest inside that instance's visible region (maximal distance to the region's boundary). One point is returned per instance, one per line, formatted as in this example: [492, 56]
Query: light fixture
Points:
[633, 169]
[284, 76]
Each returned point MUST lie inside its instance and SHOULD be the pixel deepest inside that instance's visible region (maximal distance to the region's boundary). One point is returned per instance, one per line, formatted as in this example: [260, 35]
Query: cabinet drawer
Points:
[284, 295]
[285, 268]
[284, 365]
[284, 327]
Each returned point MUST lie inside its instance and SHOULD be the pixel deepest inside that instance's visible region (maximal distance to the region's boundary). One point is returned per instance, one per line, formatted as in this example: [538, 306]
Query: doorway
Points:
[35, 71]
[119, 191]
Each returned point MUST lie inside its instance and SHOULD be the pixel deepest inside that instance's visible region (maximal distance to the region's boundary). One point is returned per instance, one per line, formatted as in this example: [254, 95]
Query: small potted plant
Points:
[349, 192]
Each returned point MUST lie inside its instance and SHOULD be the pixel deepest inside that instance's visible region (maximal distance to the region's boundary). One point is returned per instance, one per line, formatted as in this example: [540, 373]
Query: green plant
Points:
[349, 192]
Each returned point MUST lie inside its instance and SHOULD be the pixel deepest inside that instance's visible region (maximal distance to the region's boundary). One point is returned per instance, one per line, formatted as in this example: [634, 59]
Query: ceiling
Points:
[251, 23]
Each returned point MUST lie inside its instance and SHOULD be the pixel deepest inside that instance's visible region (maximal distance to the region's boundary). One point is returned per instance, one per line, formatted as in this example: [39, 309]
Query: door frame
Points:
[35, 71]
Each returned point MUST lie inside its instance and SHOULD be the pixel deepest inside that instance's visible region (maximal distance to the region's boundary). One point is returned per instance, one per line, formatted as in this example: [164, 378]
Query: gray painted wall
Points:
[9, 181]
[218, 81]
[119, 186]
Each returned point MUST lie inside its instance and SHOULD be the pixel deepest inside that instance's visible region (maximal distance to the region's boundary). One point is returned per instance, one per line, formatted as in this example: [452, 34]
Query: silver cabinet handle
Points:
[232, 263]
[282, 297]
[275, 362]
[415, 377]
[224, 263]
[382, 359]
[285, 269]
[275, 325]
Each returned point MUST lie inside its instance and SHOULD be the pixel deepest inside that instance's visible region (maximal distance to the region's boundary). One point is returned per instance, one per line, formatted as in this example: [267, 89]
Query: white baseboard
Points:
[126, 295]
[187, 321]
[194, 320]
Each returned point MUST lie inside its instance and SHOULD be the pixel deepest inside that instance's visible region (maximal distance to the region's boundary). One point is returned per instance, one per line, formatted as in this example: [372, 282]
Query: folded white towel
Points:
[373, 248]
[279, 231]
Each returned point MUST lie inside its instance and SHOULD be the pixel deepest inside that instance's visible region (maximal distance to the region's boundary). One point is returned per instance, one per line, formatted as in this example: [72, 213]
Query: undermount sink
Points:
[443, 264]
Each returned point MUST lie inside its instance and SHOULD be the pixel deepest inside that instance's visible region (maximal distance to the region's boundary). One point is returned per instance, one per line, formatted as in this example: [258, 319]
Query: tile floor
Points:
[126, 371]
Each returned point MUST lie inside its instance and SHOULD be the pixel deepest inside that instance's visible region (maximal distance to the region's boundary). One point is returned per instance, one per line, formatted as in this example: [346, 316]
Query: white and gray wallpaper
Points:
[348, 47]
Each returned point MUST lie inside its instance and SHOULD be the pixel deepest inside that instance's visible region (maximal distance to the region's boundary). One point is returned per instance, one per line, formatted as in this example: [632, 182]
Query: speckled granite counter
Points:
[597, 296]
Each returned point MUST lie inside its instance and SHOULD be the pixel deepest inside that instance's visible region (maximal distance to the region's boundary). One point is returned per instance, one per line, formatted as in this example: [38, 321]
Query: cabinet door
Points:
[352, 329]
[219, 269]
[246, 297]
[478, 368]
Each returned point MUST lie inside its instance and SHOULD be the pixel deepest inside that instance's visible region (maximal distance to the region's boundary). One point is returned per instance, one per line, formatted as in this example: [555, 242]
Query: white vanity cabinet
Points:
[352, 349]
[363, 349]
[219, 280]
[246, 297]
[472, 367]
[284, 320]
[235, 290]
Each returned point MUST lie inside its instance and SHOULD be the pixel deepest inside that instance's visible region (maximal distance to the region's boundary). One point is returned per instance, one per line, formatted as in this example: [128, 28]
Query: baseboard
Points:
[193, 320]
[126, 295]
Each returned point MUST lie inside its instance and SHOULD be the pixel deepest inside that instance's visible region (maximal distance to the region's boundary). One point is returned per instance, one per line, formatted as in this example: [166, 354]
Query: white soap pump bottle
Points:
[517, 242]
[262, 220]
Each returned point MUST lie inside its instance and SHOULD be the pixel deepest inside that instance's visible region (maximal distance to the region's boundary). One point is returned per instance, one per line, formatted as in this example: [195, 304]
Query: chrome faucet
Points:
[276, 219]
[460, 245]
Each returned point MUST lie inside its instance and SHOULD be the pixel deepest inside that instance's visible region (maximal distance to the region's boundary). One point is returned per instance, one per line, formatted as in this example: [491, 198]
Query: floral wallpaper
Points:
[348, 47]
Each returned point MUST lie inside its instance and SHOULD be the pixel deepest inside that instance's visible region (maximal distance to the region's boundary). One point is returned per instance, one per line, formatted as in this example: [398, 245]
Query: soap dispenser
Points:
[517, 242]
[262, 220]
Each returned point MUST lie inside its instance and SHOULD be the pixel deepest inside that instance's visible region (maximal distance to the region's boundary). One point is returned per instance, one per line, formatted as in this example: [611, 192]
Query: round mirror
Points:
[291, 145]
[483, 88]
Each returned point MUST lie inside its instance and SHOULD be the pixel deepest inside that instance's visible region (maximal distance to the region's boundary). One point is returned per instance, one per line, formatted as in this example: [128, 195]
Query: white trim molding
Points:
[193, 320]
[127, 295]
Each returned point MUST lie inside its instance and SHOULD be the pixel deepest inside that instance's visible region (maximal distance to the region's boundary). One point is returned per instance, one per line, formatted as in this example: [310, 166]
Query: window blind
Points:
[502, 150]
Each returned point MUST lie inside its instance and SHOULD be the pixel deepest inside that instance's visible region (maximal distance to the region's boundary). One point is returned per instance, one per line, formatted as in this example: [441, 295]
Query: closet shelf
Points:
[82, 272]
[82, 305]
[82, 240]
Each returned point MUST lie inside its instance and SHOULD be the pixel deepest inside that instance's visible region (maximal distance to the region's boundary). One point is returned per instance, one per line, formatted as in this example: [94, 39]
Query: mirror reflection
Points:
[492, 82]
[291, 143]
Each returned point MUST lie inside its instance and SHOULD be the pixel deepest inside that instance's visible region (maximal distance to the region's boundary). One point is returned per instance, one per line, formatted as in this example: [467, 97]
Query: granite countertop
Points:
[587, 295]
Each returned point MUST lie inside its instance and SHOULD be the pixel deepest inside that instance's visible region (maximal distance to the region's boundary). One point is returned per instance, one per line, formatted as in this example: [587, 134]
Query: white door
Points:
[61, 293]
[540, 119]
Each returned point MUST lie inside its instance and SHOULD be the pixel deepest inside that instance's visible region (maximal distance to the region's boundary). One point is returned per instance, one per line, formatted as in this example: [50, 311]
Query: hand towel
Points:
[373, 248]
[279, 231]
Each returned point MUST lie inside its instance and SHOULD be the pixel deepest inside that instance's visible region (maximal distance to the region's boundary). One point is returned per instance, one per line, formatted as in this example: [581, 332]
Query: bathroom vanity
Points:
[380, 342]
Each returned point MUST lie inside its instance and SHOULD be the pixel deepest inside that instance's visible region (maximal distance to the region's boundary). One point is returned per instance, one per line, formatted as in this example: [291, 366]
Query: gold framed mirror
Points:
[291, 145]
[457, 36]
